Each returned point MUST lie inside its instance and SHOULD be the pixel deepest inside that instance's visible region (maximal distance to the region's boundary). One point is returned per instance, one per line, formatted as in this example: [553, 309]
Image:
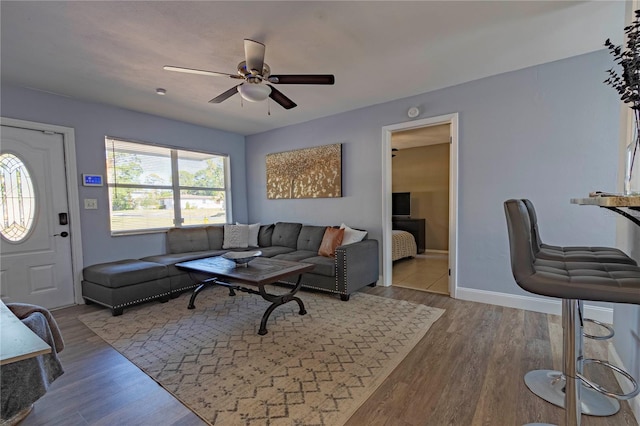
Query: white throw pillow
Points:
[351, 235]
[236, 236]
[254, 230]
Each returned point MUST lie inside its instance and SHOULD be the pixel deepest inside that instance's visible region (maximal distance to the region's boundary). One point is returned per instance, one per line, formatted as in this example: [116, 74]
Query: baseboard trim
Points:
[536, 304]
[634, 403]
[436, 251]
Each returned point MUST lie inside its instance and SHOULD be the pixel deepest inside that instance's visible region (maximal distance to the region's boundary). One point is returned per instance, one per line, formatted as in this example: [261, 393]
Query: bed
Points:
[403, 245]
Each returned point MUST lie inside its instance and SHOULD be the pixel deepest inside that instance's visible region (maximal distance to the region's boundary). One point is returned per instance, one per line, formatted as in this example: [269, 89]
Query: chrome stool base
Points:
[548, 385]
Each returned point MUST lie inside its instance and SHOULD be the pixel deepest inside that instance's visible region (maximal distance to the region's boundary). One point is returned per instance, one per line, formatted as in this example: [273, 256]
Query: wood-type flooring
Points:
[467, 370]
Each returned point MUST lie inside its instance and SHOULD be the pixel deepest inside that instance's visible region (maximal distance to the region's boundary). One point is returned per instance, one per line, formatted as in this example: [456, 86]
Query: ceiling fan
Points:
[257, 76]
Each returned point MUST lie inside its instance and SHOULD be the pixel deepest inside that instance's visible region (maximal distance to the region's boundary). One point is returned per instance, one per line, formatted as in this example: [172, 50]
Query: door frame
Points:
[387, 263]
[73, 198]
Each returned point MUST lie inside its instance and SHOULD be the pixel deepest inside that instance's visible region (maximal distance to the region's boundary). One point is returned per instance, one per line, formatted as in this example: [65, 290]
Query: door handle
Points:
[63, 234]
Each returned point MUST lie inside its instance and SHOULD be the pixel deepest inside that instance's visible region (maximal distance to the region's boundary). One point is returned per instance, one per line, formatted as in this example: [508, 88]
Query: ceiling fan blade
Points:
[226, 95]
[254, 55]
[199, 72]
[303, 79]
[277, 96]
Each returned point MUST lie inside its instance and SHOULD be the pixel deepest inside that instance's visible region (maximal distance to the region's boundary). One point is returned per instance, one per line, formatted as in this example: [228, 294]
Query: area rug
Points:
[313, 369]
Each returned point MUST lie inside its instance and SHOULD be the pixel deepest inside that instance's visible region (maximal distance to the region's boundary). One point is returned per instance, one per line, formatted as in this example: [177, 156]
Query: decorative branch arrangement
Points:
[627, 83]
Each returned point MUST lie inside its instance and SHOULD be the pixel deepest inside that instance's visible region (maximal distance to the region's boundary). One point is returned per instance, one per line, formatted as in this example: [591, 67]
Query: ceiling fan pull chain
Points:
[268, 106]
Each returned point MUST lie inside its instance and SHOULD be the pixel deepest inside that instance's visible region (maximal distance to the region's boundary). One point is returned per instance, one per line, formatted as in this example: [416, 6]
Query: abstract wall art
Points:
[305, 173]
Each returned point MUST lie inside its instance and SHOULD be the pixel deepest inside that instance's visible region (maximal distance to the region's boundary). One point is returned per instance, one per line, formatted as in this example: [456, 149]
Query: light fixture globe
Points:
[254, 92]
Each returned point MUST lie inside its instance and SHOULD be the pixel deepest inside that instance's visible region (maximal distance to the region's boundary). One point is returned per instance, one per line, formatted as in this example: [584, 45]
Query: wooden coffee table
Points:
[259, 272]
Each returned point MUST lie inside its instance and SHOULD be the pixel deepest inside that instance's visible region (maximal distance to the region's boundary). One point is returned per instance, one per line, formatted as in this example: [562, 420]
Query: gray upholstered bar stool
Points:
[571, 253]
[549, 384]
[572, 282]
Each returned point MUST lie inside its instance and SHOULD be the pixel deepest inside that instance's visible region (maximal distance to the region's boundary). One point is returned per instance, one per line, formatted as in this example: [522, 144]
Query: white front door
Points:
[35, 250]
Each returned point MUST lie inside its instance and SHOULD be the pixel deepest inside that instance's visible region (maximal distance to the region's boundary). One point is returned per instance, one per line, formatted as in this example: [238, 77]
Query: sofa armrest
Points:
[356, 265]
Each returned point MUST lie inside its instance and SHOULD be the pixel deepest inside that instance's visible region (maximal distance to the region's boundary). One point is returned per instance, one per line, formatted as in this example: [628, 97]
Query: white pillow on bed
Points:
[351, 235]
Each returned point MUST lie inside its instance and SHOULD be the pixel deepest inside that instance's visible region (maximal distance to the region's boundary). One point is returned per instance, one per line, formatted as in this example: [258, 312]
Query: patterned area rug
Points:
[313, 369]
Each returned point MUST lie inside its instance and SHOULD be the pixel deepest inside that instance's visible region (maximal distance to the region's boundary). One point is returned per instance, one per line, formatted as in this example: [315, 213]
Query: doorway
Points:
[420, 173]
[443, 265]
[40, 229]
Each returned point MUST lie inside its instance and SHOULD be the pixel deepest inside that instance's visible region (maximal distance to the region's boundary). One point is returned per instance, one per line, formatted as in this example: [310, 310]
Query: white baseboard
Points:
[634, 403]
[529, 303]
[436, 251]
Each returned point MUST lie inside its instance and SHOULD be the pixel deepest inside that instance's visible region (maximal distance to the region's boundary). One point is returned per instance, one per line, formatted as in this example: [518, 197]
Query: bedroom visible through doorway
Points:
[420, 208]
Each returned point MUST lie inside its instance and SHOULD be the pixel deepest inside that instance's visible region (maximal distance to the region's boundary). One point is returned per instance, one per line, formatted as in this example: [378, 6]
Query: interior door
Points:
[35, 250]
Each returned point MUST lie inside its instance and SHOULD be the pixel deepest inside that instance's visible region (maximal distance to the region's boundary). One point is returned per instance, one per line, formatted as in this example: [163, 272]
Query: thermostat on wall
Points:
[91, 180]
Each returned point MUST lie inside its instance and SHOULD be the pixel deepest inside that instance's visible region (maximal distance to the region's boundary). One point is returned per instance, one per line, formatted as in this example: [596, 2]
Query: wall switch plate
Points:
[90, 204]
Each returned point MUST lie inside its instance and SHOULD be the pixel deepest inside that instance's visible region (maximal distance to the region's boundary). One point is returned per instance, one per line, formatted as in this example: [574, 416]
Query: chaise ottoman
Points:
[124, 283]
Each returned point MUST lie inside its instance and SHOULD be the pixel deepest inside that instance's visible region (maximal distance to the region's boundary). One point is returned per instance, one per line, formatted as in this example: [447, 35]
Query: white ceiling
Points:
[113, 52]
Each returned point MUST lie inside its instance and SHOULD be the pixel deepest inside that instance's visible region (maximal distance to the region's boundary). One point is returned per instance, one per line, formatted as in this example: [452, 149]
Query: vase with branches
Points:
[626, 81]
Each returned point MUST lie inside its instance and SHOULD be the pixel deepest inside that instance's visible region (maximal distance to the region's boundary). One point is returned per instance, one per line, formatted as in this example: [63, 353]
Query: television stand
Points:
[415, 227]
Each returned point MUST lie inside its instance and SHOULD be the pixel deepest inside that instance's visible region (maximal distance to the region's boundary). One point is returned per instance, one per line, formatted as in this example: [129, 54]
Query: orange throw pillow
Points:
[332, 239]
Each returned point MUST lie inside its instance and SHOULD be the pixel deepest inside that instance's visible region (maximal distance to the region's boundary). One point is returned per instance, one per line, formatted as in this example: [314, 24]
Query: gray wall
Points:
[547, 133]
[92, 122]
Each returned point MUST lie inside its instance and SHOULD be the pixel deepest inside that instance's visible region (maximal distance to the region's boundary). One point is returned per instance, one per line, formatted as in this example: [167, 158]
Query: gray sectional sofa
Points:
[130, 281]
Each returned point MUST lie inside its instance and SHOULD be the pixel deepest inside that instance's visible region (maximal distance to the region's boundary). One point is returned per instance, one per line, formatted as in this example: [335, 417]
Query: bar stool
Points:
[572, 282]
[571, 253]
[549, 384]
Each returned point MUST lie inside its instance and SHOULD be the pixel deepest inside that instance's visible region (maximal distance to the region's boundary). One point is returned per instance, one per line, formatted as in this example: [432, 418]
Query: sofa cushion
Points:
[215, 234]
[275, 250]
[170, 260]
[181, 240]
[285, 234]
[264, 235]
[310, 238]
[332, 239]
[173, 258]
[236, 236]
[297, 256]
[324, 265]
[125, 272]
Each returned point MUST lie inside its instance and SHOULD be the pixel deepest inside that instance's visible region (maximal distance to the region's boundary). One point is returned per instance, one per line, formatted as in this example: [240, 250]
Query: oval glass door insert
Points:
[17, 199]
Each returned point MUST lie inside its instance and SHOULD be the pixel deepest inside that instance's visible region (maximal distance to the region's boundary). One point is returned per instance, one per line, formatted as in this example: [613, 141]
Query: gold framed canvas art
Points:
[305, 173]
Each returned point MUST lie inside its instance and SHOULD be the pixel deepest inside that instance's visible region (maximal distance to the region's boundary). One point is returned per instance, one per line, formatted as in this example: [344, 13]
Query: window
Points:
[152, 188]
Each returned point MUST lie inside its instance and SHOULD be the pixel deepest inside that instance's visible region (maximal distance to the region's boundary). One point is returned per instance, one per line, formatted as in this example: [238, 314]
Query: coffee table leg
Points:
[277, 300]
[193, 296]
[198, 290]
[265, 317]
[303, 311]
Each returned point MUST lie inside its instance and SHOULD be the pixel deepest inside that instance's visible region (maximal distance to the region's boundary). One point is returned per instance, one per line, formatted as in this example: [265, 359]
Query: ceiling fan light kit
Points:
[255, 73]
[254, 92]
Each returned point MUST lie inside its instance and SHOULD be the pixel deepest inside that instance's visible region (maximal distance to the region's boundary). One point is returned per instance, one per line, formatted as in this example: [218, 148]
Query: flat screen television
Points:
[401, 204]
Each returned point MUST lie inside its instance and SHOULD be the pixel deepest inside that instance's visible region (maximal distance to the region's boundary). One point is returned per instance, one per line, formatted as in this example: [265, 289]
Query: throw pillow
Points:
[254, 229]
[264, 235]
[352, 235]
[332, 239]
[235, 236]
